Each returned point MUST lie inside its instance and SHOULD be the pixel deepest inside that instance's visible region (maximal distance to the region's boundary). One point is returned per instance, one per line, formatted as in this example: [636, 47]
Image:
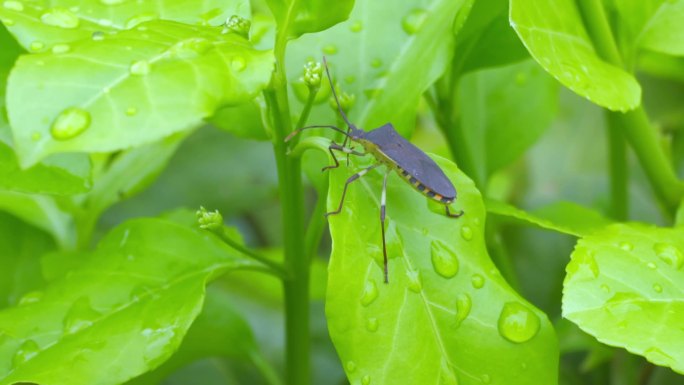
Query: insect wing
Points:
[412, 159]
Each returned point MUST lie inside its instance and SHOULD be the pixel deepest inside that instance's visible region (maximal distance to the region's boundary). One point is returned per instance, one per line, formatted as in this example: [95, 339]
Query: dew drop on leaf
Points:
[463, 306]
[415, 283]
[156, 342]
[372, 324]
[669, 254]
[61, 48]
[370, 293]
[657, 288]
[517, 323]
[583, 265]
[626, 246]
[356, 26]
[413, 21]
[31, 297]
[13, 5]
[140, 67]
[444, 259]
[26, 351]
[466, 233]
[366, 380]
[98, 36]
[131, 111]
[651, 265]
[70, 123]
[238, 63]
[60, 17]
[330, 49]
[37, 45]
[80, 316]
[605, 288]
[477, 281]
[138, 19]
[350, 366]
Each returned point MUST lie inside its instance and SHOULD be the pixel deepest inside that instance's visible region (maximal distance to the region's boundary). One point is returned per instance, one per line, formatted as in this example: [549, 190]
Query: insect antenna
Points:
[295, 132]
[337, 100]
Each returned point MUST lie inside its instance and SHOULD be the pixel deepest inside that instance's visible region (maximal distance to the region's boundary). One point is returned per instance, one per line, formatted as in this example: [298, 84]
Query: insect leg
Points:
[450, 215]
[337, 147]
[351, 179]
[383, 199]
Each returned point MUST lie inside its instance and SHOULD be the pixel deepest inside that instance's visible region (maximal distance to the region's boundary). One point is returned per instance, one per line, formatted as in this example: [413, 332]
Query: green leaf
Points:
[624, 281]
[21, 246]
[665, 32]
[145, 84]
[386, 76]
[504, 111]
[121, 314]
[486, 27]
[444, 293]
[300, 17]
[42, 24]
[565, 217]
[554, 35]
[244, 120]
[8, 55]
[43, 212]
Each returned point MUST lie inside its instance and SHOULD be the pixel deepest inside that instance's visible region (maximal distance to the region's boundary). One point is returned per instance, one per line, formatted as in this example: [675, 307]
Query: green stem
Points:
[274, 267]
[619, 174]
[601, 35]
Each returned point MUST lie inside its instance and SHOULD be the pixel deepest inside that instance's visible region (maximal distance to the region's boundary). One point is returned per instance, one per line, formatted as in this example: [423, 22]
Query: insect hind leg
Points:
[343, 148]
[450, 215]
[383, 199]
[346, 185]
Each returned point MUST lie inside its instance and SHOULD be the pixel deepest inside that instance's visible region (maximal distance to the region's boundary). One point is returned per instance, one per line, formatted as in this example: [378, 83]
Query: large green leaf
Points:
[625, 286]
[132, 88]
[554, 35]
[121, 314]
[40, 25]
[43, 212]
[386, 75]
[652, 24]
[504, 111]
[300, 17]
[446, 316]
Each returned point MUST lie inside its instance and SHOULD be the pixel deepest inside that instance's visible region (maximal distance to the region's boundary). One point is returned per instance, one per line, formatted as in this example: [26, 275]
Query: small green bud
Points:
[312, 74]
[238, 25]
[209, 220]
[346, 101]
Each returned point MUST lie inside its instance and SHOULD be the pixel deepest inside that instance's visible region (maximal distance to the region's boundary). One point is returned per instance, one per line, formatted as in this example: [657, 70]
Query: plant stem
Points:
[273, 267]
[619, 174]
[296, 262]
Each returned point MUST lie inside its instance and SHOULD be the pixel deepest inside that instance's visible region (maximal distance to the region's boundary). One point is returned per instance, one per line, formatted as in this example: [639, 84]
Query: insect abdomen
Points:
[422, 188]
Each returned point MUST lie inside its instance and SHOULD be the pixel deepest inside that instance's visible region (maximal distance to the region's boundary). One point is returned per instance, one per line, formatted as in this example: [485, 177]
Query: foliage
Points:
[559, 123]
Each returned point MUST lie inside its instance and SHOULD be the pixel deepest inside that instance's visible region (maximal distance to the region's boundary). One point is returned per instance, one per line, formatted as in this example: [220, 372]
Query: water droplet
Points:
[466, 233]
[131, 111]
[70, 123]
[112, 2]
[351, 366]
[376, 63]
[238, 63]
[138, 19]
[60, 17]
[372, 324]
[98, 36]
[13, 5]
[140, 67]
[415, 284]
[626, 246]
[444, 259]
[517, 323]
[413, 21]
[156, 343]
[27, 351]
[657, 288]
[669, 254]
[37, 45]
[478, 281]
[583, 264]
[356, 26]
[36, 136]
[463, 306]
[80, 316]
[105, 22]
[366, 380]
[370, 293]
[31, 297]
[330, 49]
[651, 265]
[61, 48]
[605, 288]
[486, 378]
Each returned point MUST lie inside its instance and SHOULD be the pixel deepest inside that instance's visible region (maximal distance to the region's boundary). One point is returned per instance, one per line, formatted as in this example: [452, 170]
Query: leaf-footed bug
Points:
[396, 153]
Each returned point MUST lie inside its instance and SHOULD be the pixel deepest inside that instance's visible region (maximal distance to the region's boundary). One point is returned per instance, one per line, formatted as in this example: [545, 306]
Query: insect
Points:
[396, 153]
